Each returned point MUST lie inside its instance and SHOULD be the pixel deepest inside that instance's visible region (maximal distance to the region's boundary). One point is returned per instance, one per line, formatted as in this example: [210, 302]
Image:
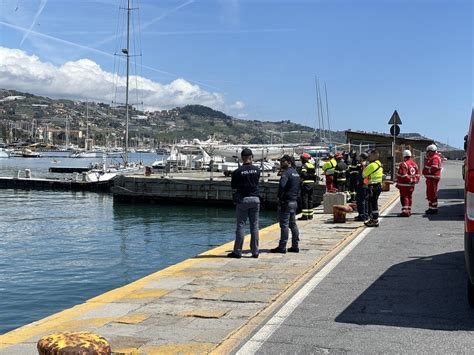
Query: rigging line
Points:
[322, 111]
[104, 53]
[149, 23]
[141, 54]
[327, 113]
[317, 107]
[137, 49]
[116, 60]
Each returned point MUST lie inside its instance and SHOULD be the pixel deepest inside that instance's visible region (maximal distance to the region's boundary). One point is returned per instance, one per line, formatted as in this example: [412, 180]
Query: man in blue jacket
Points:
[246, 198]
[288, 191]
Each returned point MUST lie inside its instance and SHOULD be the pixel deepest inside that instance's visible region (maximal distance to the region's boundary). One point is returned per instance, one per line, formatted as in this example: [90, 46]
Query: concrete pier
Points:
[52, 184]
[208, 303]
[196, 188]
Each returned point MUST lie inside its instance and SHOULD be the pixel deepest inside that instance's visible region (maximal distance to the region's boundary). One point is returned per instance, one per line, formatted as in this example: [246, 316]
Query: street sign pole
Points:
[395, 121]
[393, 156]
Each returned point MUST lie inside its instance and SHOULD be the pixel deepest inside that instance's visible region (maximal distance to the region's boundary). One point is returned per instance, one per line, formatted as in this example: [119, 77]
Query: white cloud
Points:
[85, 79]
[238, 105]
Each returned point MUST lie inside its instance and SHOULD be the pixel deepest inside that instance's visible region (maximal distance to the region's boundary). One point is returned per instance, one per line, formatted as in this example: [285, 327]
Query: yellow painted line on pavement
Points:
[66, 319]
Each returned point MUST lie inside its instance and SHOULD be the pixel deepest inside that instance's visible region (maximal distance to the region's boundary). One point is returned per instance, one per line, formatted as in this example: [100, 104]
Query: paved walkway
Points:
[402, 290]
[206, 303]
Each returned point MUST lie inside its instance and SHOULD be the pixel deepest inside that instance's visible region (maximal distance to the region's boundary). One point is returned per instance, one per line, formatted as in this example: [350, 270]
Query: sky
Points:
[256, 59]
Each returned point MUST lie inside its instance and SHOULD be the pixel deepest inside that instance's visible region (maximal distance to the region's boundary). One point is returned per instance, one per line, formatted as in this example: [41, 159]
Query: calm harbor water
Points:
[58, 249]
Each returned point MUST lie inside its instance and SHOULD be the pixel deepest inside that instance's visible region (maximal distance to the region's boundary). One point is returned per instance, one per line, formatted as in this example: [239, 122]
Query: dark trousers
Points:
[353, 185]
[248, 208]
[341, 185]
[287, 219]
[307, 200]
[362, 201]
[374, 193]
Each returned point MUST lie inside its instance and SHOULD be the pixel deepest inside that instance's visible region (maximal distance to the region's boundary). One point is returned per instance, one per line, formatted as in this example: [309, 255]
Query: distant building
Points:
[139, 117]
[383, 143]
[12, 98]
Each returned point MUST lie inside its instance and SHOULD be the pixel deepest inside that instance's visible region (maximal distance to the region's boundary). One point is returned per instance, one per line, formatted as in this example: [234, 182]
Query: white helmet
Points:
[431, 148]
[406, 153]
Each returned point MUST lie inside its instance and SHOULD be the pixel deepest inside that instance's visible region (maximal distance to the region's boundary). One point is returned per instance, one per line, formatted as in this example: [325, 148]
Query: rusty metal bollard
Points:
[386, 185]
[73, 343]
[339, 213]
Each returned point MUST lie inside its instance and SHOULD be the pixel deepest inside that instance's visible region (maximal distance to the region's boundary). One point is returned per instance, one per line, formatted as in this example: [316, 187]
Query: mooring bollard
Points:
[73, 343]
[28, 173]
[339, 213]
[386, 185]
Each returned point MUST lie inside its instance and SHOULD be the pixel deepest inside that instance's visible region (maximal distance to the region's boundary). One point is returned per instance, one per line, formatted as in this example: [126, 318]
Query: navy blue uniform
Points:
[246, 197]
[245, 181]
[288, 191]
[289, 186]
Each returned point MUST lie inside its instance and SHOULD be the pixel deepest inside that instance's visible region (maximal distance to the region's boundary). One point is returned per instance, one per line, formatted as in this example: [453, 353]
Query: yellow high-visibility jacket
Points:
[329, 167]
[373, 171]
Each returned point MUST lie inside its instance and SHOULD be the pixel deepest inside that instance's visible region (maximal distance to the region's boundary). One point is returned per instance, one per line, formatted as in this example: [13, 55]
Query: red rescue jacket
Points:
[432, 169]
[408, 173]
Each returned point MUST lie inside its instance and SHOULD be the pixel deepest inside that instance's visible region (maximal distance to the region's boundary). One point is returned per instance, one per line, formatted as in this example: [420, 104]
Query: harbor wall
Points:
[192, 190]
[52, 184]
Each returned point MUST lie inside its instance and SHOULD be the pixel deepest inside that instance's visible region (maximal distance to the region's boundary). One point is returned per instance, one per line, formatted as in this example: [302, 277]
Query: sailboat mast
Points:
[87, 126]
[127, 53]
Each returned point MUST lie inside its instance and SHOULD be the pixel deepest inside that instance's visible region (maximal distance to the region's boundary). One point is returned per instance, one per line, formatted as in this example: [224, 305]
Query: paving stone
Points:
[192, 309]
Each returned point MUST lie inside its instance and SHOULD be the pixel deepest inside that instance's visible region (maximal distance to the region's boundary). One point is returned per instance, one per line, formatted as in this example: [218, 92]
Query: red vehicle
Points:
[469, 212]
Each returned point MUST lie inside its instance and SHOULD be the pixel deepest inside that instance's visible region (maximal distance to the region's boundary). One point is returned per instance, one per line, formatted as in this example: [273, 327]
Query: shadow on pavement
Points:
[426, 292]
[451, 194]
[448, 212]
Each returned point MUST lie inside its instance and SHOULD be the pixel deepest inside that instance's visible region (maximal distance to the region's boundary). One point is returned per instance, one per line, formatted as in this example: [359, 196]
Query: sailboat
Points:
[108, 173]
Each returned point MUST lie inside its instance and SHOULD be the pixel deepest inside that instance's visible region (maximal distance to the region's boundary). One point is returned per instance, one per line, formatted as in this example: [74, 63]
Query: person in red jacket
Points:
[407, 176]
[432, 174]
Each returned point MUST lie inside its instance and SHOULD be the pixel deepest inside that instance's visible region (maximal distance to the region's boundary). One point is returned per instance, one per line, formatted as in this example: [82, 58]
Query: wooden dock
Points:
[193, 189]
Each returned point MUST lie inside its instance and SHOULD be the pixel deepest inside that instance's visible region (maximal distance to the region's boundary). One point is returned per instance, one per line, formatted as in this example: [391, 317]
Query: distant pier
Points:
[52, 184]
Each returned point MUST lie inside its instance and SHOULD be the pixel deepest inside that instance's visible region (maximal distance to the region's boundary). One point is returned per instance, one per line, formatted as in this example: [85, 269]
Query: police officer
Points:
[373, 174]
[288, 191]
[308, 177]
[246, 197]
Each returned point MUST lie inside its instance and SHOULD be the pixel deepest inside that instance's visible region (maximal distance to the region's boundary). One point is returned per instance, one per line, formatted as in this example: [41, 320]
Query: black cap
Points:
[246, 152]
[287, 158]
[363, 155]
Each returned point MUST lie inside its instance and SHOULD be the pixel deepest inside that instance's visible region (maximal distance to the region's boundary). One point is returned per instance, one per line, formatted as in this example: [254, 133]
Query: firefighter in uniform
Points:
[432, 174]
[362, 191]
[340, 173]
[407, 176]
[308, 177]
[373, 174]
[354, 169]
[328, 171]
